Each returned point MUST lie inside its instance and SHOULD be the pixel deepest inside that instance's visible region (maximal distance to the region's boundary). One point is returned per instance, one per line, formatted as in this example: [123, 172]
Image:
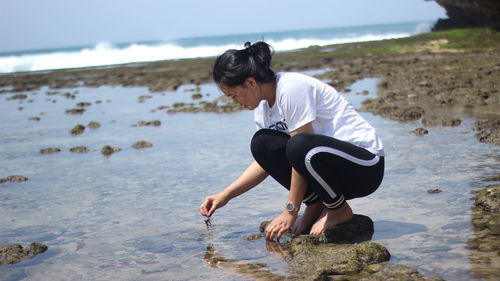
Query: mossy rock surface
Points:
[484, 252]
[310, 257]
[398, 273]
[17, 253]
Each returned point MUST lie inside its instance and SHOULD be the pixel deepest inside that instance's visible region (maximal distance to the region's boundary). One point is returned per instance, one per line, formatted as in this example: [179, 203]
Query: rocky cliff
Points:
[469, 13]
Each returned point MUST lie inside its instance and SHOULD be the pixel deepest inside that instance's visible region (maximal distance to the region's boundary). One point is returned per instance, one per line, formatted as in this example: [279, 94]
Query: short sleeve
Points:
[258, 117]
[298, 104]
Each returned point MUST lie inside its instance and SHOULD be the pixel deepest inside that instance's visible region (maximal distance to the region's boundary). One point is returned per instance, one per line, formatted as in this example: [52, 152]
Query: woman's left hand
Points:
[279, 225]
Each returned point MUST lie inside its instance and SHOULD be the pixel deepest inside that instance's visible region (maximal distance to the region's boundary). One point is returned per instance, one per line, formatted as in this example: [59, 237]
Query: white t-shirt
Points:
[301, 99]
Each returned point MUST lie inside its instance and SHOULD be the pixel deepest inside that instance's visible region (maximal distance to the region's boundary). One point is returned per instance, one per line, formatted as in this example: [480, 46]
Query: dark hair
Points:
[234, 66]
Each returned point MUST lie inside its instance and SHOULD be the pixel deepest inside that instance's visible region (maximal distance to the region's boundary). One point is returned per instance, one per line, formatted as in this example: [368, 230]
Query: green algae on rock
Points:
[13, 178]
[309, 257]
[488, 131]
[78, 129]
[74, 111]
[94, 125]
[420, 131]
[324, 258]
[50, 150]
[16, 253]
[484, 248]
[142, 144]
[397, 273]
[83, 104]
[108, 150]
[154, 123]
[79, 149]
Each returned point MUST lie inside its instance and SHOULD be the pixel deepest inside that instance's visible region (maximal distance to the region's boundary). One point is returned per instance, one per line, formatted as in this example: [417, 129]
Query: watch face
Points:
[290, 207]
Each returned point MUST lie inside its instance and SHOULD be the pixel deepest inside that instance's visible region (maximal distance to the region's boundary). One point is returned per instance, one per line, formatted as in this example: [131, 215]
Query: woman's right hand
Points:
[212, 203]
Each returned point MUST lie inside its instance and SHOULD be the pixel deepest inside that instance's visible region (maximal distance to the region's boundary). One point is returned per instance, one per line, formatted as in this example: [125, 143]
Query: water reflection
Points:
[394, 229]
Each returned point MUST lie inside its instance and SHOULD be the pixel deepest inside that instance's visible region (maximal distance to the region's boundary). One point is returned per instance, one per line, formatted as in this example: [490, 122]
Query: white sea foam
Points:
[107, 54]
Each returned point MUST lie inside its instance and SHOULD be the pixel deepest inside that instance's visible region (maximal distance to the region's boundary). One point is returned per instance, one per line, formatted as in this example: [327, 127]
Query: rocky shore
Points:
[435, 79]
[484, 247]
[17, 253]
[342, 253]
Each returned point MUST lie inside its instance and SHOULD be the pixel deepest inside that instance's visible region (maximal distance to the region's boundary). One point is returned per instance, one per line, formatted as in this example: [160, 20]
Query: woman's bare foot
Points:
[330, 218]
[310, 215]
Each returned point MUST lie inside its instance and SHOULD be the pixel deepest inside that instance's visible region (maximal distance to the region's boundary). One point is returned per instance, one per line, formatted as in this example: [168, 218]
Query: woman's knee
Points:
[265, 140]
[297, 148]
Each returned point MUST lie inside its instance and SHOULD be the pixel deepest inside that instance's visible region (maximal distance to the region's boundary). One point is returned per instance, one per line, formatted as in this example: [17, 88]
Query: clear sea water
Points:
[134, 215]
[107, 53]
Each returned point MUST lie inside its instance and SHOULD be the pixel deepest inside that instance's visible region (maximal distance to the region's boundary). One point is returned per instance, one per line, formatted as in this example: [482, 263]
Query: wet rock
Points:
[484, 247]
[142, 144]
[83, 104]
[18, 97]
[34, 118]
[328, 257]
[398, 273]
[50, 150]
[408, 114]
[420, 131]
[108, 150]
[144, 98]
[252, 237]
[52, 93]
[74, 111]
[154, 123]
[434, 191]
[70, 95]
[179, 104]
[94, 125]
[359, 229]
[493, 178]
[222, 104]
[398, 113]
[440, 120]
[196, 96]
[79, 149]
[78, 129]
[470, 13]
[13, 178]
[16, 253]
[316, 260]
[488, 131]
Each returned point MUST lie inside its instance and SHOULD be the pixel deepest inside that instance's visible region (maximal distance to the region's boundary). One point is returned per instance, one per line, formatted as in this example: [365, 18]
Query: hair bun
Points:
[234, 66]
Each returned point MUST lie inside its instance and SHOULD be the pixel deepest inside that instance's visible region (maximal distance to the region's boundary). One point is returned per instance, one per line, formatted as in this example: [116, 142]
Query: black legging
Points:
[335, 170]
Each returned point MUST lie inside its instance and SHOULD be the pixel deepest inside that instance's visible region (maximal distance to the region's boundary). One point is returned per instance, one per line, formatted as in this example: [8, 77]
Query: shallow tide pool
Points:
[134, 215]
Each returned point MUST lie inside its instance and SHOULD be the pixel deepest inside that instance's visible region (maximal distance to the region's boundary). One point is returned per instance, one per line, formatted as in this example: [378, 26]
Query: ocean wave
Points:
[105, 53]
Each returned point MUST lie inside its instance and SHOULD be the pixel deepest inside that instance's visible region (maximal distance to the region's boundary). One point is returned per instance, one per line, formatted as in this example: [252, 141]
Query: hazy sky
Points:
[33, 24]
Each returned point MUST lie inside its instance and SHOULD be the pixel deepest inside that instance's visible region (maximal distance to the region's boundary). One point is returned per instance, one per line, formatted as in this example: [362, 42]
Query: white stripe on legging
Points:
[311, 197]
[337, 152]
[336, 203]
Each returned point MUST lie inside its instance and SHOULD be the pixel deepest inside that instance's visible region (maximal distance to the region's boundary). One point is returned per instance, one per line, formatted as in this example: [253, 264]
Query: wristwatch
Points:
[290, 207]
